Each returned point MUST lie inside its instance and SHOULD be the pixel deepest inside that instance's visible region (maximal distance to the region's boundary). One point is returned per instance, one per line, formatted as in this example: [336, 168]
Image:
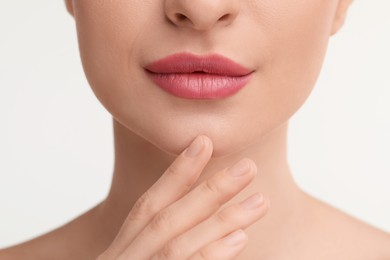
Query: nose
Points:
[201, 14]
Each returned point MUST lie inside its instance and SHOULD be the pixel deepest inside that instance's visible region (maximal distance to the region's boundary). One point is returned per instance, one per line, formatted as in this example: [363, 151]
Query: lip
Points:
[187, 75]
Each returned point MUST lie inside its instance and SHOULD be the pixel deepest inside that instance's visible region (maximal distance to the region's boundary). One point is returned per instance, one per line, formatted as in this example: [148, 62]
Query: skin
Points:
[285, 43]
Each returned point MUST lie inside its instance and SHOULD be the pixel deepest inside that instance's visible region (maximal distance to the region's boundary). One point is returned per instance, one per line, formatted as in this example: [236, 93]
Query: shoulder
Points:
[347, 237]
[29, 249]
[363, 240]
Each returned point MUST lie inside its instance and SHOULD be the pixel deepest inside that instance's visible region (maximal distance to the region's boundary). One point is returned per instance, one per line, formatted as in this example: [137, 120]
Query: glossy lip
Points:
[190, 76]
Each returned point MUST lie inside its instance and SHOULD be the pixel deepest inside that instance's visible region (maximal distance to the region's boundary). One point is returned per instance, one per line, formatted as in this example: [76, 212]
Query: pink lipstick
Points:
[190, 76]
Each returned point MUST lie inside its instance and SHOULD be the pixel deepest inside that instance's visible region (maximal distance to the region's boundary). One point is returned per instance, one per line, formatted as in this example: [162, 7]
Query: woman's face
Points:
[284, 42]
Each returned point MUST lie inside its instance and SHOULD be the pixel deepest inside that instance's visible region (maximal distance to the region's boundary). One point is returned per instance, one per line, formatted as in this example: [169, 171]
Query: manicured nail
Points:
[253, 201]
[195, 148]
[235, 238]
[239, 168]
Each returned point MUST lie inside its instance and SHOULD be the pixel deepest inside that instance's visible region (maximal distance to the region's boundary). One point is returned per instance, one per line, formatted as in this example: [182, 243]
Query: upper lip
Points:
[189, 63]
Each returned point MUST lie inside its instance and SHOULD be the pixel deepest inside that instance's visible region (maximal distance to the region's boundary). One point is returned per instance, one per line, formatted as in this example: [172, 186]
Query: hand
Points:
[172, 221]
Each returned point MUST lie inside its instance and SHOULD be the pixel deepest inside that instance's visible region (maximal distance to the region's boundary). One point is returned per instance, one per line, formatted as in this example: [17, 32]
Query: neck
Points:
[139, 164]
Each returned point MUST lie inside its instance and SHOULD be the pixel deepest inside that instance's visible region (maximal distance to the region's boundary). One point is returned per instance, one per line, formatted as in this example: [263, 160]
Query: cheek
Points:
[112, 36]
[295, 37]
[107, 36]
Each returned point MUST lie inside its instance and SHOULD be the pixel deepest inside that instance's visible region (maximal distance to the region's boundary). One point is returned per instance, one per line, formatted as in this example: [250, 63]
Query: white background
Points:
[56, 143]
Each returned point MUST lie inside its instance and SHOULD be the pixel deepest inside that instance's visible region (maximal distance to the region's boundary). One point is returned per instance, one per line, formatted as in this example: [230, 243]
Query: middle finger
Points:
[191, 209]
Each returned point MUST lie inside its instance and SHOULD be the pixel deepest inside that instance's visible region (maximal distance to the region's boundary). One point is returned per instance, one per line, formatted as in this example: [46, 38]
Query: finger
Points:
[172, 185]
[223, 249]
[193, 208]
[237, 216]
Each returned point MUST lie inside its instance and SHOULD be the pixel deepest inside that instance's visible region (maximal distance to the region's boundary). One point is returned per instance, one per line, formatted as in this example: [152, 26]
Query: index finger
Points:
[175, 182]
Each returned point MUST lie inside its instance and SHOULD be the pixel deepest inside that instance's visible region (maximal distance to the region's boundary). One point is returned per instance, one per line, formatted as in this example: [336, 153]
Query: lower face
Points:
[284, 42]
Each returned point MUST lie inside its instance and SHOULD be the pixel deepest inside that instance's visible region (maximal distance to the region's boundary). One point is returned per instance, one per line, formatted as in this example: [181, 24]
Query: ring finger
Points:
[238, 216]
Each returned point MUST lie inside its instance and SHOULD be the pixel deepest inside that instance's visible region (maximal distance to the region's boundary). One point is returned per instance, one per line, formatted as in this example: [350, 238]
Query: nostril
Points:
[224, 17]
[181, 17]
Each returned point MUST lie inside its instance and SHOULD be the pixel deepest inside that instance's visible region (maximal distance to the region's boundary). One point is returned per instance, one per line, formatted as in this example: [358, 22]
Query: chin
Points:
[225, 143]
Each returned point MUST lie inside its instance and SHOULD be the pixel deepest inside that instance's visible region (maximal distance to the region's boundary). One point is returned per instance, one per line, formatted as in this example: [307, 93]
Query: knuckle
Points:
[203, 255]
[162, 221]
[174, 173]
[229, 217]
[211, 185]
[173, 169]
[142, 208]
[223, 218]
[171, 251]
[100, 257]
[105, 256]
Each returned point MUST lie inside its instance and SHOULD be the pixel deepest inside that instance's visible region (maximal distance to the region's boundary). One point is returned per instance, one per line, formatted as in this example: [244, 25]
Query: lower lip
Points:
[200, 85]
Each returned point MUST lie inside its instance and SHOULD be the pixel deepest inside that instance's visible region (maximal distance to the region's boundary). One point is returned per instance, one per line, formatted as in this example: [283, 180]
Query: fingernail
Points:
[253, 201]
[235, 238]
[239, 168]
[195, 147]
